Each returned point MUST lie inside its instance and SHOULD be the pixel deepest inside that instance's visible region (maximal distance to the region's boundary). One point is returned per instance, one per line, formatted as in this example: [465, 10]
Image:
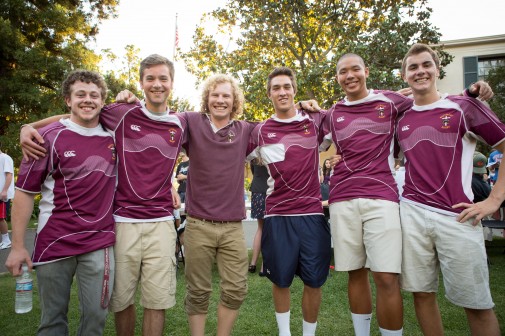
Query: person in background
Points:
[493, 165]
[480, 188]
[75, 233]
[6, 194]
[325, 179]
[258, 189]
[181, 174]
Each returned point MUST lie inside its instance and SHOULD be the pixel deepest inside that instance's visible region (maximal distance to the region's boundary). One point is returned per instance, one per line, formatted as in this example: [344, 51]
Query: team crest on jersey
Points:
[172, 133]
[306, 129]
[381, 111]
[113, 151]
[446, 118]
[231, 135]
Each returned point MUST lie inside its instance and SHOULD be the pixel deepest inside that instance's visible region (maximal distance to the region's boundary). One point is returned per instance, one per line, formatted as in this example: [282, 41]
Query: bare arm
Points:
[29, 138]
[489, 205]
[22, 209]
[3, 193]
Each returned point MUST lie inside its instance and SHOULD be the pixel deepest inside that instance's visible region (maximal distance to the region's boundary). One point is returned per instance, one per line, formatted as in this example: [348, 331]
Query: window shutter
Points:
[470, 70]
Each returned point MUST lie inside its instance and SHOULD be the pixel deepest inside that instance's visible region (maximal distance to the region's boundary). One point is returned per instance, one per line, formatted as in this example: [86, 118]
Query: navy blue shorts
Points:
[296, 245]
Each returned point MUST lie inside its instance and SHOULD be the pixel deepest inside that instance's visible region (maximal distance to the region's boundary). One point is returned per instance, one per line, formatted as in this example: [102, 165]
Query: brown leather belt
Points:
[212, 221]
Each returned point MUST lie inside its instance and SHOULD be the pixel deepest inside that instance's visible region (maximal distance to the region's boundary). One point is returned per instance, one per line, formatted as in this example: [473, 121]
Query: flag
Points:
[176, 39]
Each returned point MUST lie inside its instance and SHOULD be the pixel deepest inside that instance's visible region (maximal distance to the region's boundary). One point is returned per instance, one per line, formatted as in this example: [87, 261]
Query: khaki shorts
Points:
[433, 241]
[144, 252]
[366, 233]
[206, 244]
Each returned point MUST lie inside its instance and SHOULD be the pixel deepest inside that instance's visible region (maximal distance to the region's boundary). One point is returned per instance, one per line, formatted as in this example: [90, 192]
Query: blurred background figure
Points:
[181, 174]
[258, 190]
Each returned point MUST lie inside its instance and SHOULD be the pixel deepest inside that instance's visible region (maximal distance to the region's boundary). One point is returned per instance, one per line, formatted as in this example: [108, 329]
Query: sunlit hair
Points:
[238, 96]
[153, 60]
[348, 55]
[281, 71]
[417, 49]
[84, 76]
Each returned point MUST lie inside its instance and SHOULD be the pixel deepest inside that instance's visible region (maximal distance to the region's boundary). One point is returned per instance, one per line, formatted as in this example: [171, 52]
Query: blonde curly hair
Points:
[238, 95]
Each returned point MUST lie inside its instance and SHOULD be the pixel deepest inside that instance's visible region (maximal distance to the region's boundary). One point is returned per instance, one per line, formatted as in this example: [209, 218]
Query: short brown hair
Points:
[281, 71]
[238, 95]
[416, 49]
[84, 76]
[156, 59]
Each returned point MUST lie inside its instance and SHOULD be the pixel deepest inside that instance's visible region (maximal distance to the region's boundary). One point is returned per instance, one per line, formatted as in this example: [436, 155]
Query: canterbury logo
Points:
[340, 119]
[135, 128]
[405, 128]
[271, 135]
[69, 154]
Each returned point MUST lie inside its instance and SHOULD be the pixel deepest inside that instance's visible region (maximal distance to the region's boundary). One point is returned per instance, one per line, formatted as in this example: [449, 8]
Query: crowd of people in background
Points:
[395, 221]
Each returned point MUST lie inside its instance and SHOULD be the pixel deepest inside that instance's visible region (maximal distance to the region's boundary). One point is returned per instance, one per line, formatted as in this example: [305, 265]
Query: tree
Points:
[41, 42]
[496, 78]
[309, 36]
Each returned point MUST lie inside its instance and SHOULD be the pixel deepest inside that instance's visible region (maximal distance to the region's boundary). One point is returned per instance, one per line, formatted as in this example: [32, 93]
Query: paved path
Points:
[249, 232]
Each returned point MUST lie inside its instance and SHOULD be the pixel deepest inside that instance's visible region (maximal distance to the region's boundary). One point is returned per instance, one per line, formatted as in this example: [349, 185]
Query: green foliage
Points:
[496, 78]
[41, 42]
[308, 36]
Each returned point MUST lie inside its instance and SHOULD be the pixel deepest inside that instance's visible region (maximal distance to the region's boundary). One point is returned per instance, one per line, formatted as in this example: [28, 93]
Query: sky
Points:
[153, 30]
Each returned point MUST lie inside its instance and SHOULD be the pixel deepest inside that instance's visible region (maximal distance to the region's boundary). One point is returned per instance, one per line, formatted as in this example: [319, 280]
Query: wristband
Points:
[469, 94]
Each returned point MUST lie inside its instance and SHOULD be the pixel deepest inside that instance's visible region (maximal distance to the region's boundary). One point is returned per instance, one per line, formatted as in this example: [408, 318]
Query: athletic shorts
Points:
[4, 209]
[433, 241]
[296, 245]
[145, 254]
[366, 233]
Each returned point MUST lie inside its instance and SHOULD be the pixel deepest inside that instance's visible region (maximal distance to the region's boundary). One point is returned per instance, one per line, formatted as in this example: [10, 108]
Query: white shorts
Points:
[366, 233]
[433, 241]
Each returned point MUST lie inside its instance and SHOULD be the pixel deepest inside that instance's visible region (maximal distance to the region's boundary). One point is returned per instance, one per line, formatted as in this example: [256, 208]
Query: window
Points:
[476, 68]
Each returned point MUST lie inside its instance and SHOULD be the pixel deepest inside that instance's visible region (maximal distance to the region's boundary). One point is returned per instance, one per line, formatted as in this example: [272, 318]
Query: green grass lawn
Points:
[257, 314]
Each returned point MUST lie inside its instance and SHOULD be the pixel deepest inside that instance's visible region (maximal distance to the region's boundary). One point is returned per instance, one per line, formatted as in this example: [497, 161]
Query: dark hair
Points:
[156, 59]
[344, 56]
[416, 49]
[84, 76]
[281, 71]
[326, 171]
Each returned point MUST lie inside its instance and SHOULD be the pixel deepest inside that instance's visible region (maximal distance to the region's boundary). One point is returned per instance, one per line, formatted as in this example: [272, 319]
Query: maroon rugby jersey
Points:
[148, 145]
[363, 133]
[438, 141]
[76, 180]
[289, 149]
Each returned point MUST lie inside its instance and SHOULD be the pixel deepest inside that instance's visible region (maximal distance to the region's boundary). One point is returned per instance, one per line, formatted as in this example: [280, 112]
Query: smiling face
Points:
[421, 73]
[282, 94]
[351, 75]
[156, 83]
[85, 102]
[220, 103]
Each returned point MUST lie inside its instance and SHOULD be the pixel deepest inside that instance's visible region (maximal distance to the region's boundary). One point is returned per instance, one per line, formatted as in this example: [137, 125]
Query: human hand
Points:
[335, 159]
[309, 105]
[483, 89]
[29, 147]
[176, 200]
[126, 96]
[17, 257]
[477, 210]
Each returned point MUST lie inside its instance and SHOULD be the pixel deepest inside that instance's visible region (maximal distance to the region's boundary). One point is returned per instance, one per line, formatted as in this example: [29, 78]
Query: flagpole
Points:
[176, 37]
